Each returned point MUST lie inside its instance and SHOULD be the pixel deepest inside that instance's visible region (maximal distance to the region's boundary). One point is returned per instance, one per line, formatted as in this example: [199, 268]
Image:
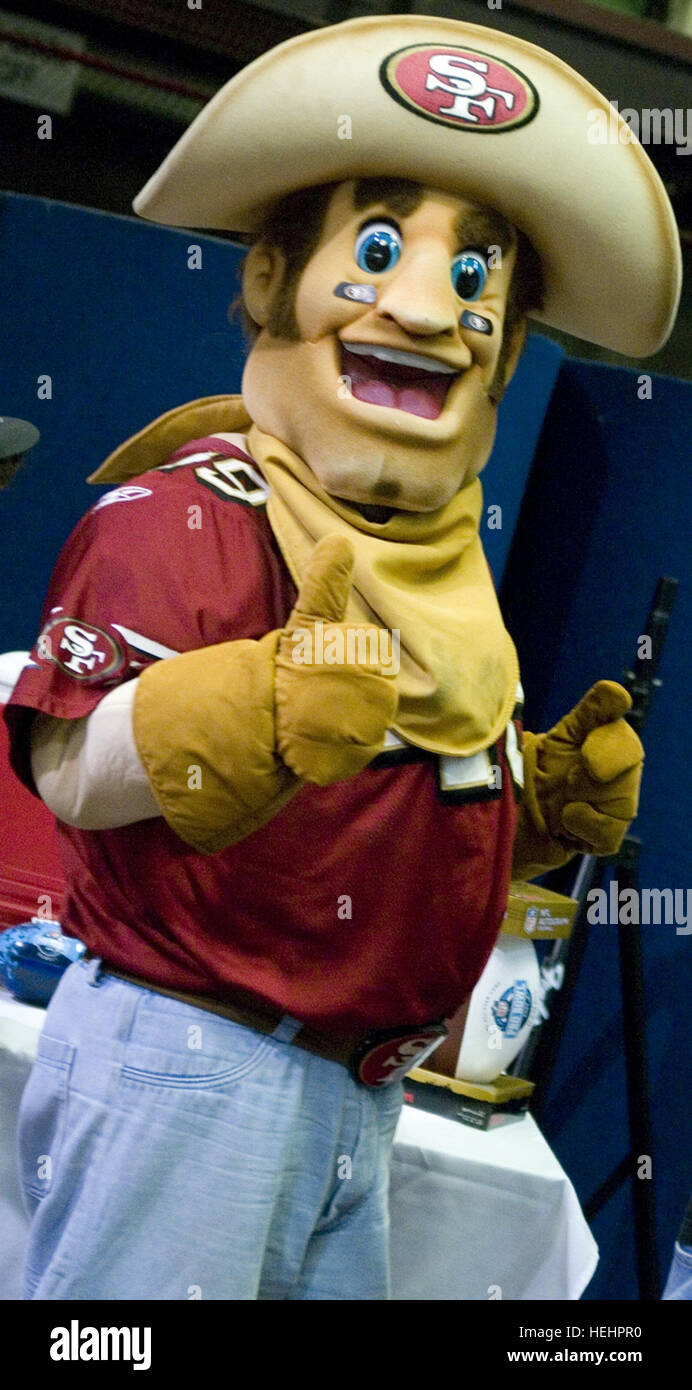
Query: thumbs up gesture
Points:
[581, 783]
[335, 694]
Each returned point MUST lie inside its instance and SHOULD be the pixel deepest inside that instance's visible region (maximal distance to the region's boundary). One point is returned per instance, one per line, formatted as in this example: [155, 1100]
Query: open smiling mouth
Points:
[402, 380]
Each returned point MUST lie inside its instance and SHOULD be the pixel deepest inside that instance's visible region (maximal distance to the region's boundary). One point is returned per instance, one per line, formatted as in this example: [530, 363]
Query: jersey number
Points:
[234, 479]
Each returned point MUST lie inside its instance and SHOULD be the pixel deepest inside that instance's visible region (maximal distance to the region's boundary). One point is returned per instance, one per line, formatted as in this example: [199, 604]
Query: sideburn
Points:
[294, 226]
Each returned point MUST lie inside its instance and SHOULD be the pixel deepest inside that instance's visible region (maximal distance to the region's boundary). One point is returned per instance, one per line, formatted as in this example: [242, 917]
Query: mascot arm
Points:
[581, 784]
[218, 740]
[227, 735]
[191, 739]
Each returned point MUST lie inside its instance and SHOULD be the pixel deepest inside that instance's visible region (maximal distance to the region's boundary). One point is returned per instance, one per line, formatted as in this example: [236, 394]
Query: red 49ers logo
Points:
[460, 87]
[87, 653]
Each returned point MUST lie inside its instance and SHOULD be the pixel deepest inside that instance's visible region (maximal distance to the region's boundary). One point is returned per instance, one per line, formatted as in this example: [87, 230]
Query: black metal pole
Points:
[540, 1056]
[636, 1067]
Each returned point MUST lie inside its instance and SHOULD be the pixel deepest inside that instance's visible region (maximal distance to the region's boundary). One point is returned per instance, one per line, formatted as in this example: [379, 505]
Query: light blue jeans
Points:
[168, 1153]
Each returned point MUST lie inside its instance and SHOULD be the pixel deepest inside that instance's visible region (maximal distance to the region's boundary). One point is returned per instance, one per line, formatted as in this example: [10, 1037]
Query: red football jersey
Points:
[369, 904]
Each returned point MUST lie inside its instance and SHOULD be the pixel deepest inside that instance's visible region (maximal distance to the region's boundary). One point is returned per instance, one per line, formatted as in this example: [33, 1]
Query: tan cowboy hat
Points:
[459, 107]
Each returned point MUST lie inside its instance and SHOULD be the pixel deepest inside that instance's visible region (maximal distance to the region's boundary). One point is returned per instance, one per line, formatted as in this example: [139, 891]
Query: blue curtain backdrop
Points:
[108, 308]
[608, 509]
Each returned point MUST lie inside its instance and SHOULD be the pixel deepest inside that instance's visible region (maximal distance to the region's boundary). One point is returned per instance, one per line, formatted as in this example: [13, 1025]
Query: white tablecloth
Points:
[483, 1214]
[475, 1215]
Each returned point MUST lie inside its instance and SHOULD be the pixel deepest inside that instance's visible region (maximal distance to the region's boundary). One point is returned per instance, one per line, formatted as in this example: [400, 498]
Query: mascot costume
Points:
[273, 704]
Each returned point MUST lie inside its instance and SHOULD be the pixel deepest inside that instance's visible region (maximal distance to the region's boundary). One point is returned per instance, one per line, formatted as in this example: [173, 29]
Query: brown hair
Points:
[294, 224]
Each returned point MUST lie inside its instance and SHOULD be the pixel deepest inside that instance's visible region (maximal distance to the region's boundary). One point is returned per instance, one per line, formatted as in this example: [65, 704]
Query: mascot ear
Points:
[262, 276]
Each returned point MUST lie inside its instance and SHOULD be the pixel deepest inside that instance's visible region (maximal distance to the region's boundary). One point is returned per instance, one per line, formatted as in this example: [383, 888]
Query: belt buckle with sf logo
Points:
[389, 1056]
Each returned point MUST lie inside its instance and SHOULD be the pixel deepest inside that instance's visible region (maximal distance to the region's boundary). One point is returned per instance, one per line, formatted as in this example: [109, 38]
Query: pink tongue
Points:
[415, 400]
[418, 401]
[417, 397]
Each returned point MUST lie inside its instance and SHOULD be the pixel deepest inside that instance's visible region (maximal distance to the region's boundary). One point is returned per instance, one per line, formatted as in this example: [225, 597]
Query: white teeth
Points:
[407, 359]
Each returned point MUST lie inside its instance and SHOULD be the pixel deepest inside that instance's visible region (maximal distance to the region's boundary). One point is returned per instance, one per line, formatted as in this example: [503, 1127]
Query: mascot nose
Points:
[420, 298]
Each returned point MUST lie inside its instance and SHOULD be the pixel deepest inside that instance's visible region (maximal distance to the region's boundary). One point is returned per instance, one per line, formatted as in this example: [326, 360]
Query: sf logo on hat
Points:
[460, 87]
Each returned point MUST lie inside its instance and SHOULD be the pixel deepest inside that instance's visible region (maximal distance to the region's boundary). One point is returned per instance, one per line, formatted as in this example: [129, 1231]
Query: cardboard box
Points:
[538, 913]
[481, 1106]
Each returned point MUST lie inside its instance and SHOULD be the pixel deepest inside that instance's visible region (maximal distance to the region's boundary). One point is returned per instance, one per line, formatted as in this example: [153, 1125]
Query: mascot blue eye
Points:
[377, 248]
[469, 274]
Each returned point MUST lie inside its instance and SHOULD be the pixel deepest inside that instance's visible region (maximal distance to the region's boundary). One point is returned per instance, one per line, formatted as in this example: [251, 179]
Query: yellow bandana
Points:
[423, 575]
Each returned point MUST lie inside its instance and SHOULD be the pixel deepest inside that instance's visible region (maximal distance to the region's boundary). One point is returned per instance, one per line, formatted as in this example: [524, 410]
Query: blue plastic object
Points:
[33, 956]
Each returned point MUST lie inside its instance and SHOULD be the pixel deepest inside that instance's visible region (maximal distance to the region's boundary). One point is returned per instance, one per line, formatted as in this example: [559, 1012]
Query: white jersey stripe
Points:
[190, 458]
[144, 644]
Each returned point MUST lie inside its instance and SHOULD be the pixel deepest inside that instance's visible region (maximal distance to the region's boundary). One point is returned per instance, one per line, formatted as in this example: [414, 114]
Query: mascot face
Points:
[385, 394]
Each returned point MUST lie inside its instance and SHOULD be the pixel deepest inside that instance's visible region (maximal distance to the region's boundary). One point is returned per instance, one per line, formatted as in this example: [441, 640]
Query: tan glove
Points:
[213, 742]
[331, 714]
[581, 784]
[203, 723]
